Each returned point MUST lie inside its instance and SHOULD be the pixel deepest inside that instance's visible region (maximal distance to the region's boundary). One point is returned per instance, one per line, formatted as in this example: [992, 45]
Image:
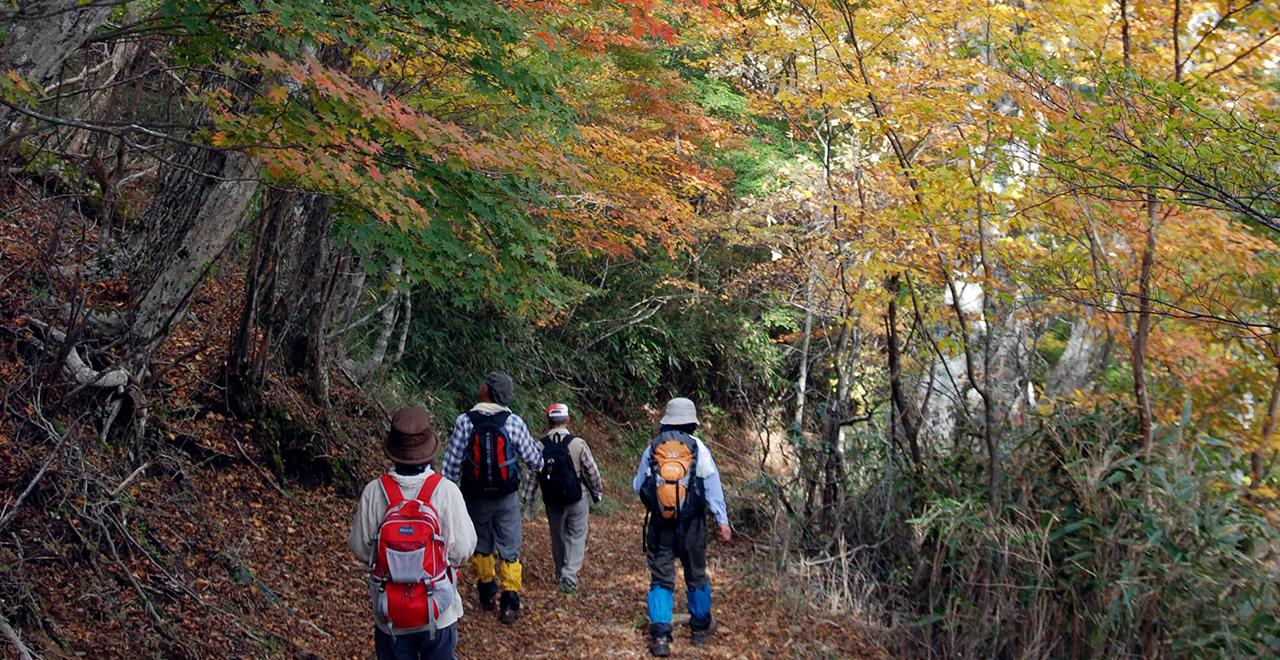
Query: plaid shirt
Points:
[515, 430]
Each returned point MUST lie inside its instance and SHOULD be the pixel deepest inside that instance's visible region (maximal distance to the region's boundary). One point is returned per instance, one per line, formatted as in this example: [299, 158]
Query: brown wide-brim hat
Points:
[412, 440]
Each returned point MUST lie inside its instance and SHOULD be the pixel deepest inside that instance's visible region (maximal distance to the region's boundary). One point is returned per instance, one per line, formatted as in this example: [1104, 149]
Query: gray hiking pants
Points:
[497, 523]
[569, 537]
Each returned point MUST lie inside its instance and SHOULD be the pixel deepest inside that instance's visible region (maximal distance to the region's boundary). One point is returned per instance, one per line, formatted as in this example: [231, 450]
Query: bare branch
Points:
[24, 653]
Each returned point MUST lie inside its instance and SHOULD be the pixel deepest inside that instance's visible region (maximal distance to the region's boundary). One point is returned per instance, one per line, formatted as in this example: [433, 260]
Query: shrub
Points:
[1098, 553]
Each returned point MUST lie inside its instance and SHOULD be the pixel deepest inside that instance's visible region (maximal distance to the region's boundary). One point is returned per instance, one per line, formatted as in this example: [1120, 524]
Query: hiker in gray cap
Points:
[481, 457]
[426, 505]
[677, 480]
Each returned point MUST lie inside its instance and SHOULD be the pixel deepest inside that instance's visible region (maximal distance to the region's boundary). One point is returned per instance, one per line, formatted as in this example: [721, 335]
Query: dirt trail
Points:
[219, 557]
[606, 619]
[271, 577]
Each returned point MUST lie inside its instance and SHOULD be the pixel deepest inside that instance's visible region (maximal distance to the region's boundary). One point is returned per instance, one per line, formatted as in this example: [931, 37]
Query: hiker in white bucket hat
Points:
[678, 481]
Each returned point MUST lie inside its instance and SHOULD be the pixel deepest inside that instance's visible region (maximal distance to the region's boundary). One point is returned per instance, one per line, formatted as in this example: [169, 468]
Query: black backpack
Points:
[558, 479]
[489, 467]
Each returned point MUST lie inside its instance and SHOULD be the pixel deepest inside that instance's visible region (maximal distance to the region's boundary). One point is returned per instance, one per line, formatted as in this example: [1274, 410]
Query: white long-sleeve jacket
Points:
[455, 526]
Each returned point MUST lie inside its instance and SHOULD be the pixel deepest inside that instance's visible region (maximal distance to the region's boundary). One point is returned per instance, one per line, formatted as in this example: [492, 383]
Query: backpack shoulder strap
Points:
[391, 489]
[429, 488]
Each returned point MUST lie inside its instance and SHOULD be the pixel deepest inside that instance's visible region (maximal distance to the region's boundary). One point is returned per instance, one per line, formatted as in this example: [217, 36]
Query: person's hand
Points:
[726, 534]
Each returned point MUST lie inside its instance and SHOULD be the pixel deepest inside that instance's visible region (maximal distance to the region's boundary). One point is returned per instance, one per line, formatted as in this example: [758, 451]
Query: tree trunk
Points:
[355, 290]
[45, 33]
[239, 354]
[834, 477]
[404, 326]
[319, 289]
[317, 359]
[269, 271]
[1138, 354]
[802, 381]
[303, 272]
[191, 221]
[1079, 360]
[1125, 43]
[122, 56]
[365, 369]
[1257, 460]
[908, 415]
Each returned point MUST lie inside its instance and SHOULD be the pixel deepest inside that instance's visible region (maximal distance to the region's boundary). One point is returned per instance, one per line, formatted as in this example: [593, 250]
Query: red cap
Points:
[557, 410]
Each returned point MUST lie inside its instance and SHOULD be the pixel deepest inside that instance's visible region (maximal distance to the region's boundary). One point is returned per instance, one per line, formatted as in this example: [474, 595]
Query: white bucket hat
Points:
[680, 411]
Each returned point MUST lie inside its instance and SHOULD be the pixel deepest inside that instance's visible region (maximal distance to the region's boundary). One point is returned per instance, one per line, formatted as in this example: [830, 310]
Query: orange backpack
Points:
[672, 489]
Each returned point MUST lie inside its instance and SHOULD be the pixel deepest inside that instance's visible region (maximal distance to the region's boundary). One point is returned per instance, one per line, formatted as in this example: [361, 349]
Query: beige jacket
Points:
[583, 463]
[455, 526]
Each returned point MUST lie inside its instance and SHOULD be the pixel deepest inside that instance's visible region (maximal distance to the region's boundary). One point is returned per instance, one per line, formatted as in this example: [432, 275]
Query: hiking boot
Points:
[568, 587]
[700, 636]
[510, 607]
[488, 593]
[660, 646]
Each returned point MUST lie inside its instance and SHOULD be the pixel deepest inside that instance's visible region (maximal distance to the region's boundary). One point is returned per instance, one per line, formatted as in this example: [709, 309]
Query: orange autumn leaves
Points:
[611, 182]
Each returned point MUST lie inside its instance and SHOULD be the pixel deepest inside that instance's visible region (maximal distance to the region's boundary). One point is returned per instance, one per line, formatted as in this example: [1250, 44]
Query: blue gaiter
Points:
[700, 607]
[660, 603]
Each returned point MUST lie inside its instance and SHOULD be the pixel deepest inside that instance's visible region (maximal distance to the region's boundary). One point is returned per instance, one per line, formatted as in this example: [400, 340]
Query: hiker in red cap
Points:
[568, 477]
[412, 529]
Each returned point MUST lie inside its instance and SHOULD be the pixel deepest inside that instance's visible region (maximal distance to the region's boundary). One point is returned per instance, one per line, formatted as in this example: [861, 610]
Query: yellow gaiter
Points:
[484, 567]
[510, 574]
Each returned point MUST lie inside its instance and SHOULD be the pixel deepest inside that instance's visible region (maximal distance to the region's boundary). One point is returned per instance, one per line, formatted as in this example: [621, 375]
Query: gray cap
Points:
[500, 387]
[680, 411]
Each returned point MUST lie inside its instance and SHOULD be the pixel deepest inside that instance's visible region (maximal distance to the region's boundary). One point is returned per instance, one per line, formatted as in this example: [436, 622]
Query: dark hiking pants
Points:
[666, 541]
[417, 646]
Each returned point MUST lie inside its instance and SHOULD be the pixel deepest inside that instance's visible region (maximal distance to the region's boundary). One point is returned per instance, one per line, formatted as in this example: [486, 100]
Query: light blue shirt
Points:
[705, 470]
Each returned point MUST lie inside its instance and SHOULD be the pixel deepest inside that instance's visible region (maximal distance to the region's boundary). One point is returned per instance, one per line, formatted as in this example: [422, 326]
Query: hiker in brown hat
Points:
[412, 528]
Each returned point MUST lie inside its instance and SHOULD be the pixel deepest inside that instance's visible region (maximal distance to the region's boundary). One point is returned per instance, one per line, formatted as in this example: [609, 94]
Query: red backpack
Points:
[413, 582]
[489, 467]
